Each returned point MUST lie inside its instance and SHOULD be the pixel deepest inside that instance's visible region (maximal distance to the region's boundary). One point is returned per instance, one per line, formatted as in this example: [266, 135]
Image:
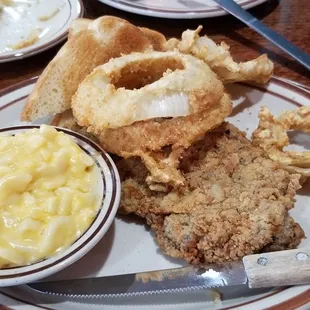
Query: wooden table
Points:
[288, 17]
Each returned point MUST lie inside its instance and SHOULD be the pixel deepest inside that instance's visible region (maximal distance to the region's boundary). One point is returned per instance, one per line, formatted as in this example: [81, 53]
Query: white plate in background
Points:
[183, 9]
[44, 23]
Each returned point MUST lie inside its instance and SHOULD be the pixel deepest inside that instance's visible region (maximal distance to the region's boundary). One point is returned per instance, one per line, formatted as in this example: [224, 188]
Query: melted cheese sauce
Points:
[47, 195]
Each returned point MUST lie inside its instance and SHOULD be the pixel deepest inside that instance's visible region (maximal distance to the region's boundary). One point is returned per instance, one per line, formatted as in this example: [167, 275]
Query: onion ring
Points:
[220, 60]
[272, 137]
[143, 86]
[147, 139]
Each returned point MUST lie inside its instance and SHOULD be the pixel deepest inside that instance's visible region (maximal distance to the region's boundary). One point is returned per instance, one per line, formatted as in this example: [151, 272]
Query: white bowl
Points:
[110, 188]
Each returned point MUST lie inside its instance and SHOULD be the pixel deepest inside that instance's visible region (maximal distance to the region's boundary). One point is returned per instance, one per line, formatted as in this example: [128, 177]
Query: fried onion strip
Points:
[220, 60]
[271, 135]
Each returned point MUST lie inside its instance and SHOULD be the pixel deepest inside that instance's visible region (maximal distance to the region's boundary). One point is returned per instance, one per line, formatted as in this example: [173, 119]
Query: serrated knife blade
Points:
[276, 269]
[153, 282]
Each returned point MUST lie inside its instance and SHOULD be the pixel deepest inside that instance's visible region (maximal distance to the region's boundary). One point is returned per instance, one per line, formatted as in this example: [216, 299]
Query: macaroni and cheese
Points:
[48, 196]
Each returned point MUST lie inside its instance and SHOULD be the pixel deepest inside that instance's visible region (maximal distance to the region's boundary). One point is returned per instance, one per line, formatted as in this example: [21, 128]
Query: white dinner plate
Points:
[28, 27]
[183, 9]
[129, 245]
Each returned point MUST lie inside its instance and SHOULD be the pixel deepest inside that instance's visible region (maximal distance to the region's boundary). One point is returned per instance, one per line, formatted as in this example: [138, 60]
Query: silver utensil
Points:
[233, 8]
[275, 269]
[299, 85]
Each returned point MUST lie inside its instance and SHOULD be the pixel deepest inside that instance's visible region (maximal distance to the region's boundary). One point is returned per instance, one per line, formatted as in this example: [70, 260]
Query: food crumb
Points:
[7, 2]
[44, 18]
[216, 296]
[30, 40]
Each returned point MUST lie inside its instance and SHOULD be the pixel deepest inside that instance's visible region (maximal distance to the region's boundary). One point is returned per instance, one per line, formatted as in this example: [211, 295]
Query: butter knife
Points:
[234, 9]
[276, 269]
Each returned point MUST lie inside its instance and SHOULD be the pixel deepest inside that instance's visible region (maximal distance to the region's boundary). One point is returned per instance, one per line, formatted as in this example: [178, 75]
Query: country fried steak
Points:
[235, 201]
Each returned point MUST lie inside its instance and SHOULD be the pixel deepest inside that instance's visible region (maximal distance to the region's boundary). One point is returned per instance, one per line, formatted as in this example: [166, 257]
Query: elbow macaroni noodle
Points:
[47, 195]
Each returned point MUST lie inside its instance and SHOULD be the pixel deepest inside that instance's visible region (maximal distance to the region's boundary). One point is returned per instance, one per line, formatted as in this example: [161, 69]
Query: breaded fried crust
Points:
[235, 201]
[288, 238]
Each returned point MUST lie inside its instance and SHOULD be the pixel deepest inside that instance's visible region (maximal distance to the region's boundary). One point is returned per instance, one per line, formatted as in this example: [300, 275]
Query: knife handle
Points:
[283, 268]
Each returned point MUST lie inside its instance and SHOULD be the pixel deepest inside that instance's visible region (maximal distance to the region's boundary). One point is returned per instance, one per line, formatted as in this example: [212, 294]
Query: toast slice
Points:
[90, 43]
[156, 38]
[67, 120]
[77, 26]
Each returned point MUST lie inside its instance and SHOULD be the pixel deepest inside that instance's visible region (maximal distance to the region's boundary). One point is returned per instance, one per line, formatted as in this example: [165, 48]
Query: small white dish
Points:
[182, 9]
[109, 188]
[29, 27]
